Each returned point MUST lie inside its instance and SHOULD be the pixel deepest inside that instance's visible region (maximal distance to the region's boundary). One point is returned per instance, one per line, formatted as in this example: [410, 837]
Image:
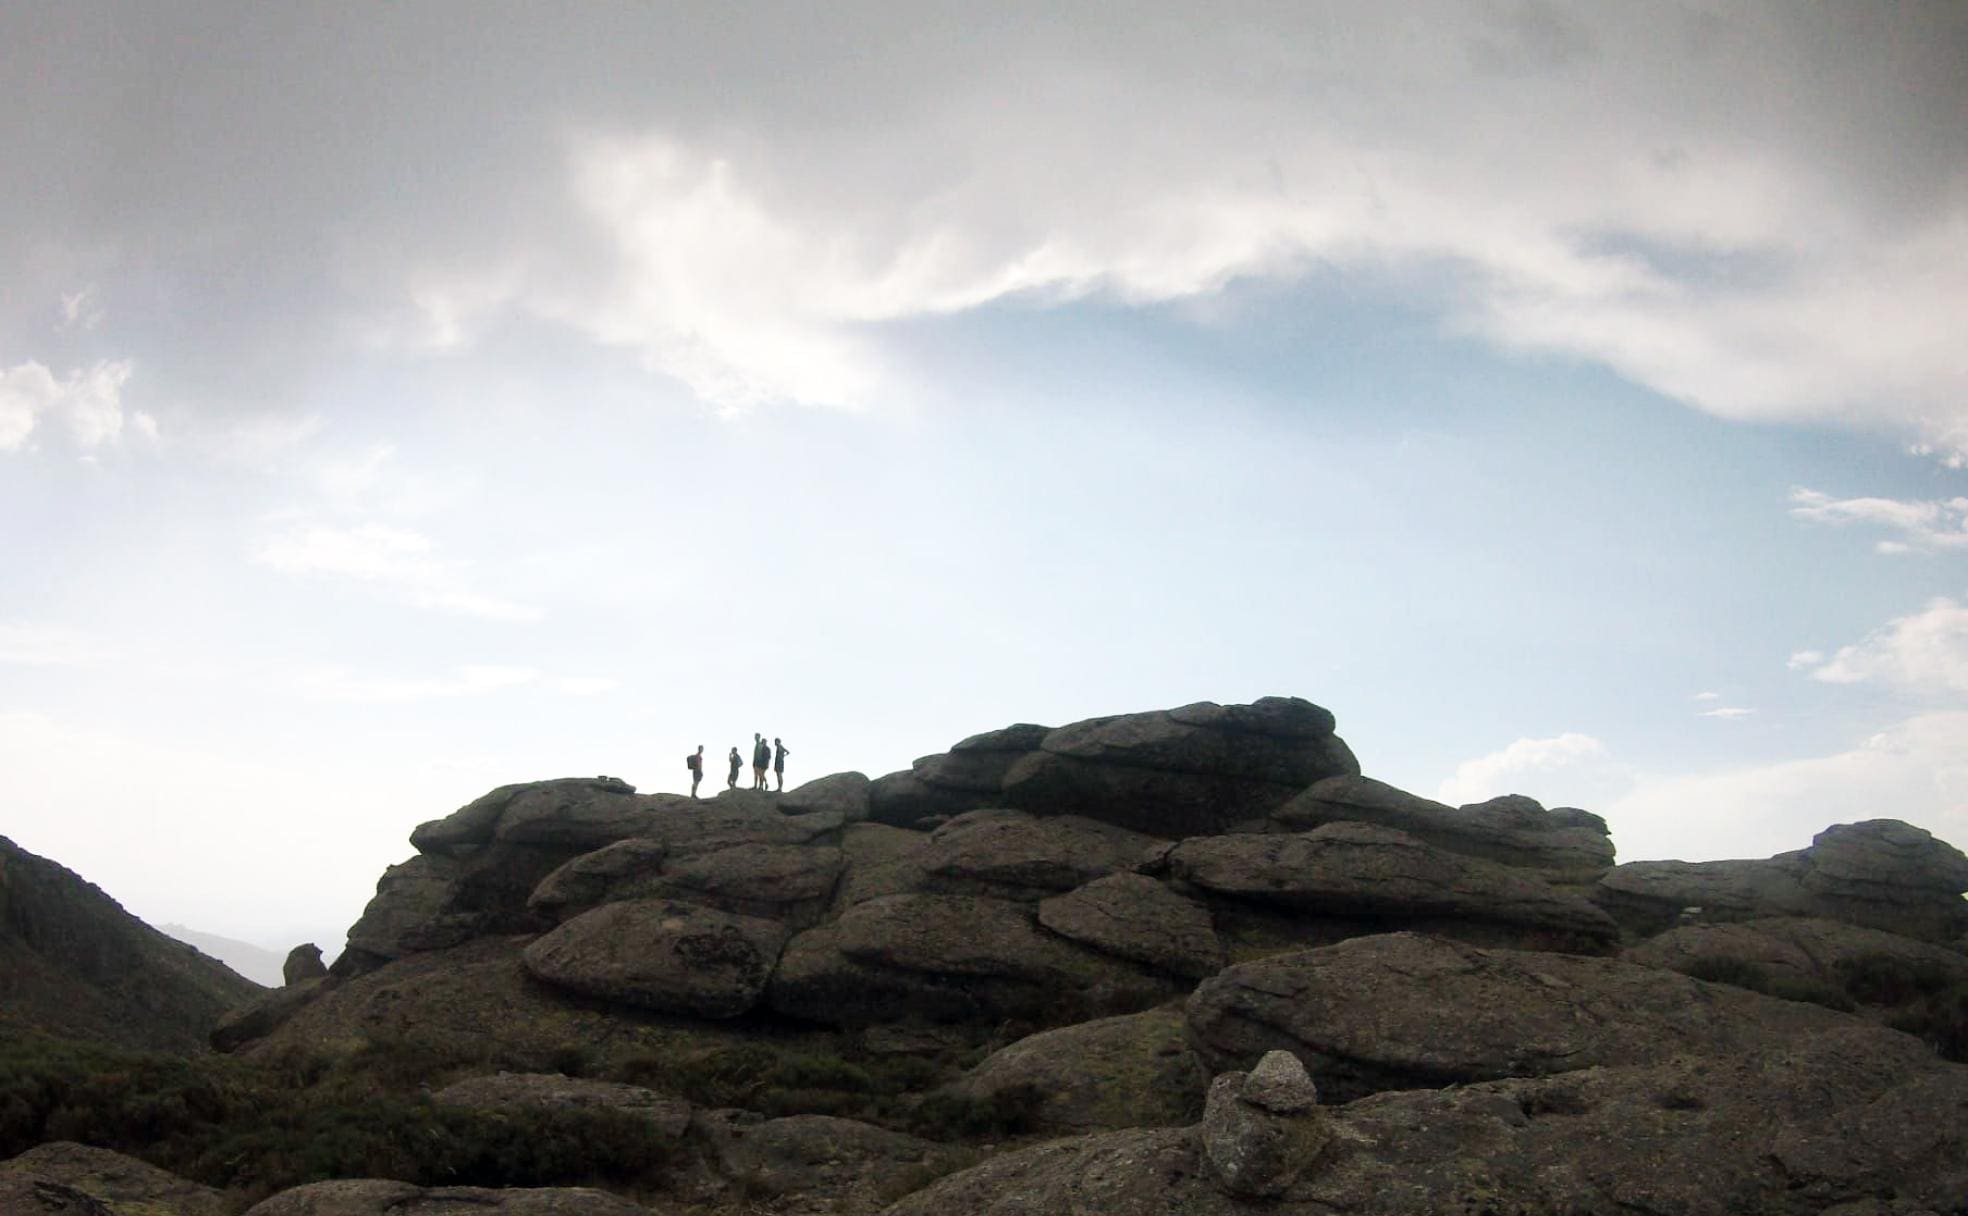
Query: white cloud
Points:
[90, 401]
[398, 561]
[338, 684]
[1726, 711]
[1927, 650]
[1929, 524]
[1802, 659]
[1708, 249]
[1564, 769]
[1706, 696]
[1916, 770]
[47, 646]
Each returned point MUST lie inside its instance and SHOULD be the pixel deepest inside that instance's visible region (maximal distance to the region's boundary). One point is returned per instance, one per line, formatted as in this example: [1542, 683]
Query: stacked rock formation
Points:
[1401, 1002]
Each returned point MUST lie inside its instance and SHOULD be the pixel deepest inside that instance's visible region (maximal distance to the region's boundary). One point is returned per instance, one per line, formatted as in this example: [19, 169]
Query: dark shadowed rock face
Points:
[303, 963]
[376, 1197]
[1180, 772]
[1567, 844]
[1407, 1011]
[74, 963]
[1358, 870]
[1882, 873]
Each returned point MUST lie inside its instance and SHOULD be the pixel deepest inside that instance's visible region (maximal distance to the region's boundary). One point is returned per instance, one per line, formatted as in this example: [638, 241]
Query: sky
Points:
[401, 400]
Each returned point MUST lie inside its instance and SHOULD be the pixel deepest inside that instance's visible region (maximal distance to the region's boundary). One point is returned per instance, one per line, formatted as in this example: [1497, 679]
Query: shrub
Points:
[1884, 979]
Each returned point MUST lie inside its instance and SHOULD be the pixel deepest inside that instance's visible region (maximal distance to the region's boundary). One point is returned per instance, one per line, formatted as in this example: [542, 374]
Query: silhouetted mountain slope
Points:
[74, 963]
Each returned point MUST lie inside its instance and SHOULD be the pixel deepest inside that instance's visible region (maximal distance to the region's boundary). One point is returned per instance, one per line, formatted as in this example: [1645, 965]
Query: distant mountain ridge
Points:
[256, 963]
[75, 964]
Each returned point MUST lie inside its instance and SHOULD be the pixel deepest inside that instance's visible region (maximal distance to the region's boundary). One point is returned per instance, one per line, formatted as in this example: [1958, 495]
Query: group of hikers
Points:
[764, 755]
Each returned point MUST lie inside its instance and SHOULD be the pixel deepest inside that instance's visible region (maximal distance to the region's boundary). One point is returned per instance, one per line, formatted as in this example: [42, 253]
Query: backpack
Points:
[690, 762]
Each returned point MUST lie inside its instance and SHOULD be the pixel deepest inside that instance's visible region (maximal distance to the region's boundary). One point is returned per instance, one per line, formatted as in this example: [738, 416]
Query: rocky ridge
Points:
[1234, 973]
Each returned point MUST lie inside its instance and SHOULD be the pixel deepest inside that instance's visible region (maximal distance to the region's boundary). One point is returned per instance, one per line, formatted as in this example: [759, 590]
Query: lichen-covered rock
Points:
[1403, 1011]
[1261, 1130]
[1800, 1127]
[1804, 953]
[379, 1197]
[1359, 870]
[1011, 852]
[1135, 1070]
[661, 954]
[25, 1195]
[950, 957]
[124, 1185]
[818, 1162]
[1135, 917]
[669, 1117]
[1568, 844]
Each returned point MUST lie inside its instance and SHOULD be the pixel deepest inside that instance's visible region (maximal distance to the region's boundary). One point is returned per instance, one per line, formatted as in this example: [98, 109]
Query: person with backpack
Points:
[761, 757]
[731, 782]
[695, 763]
[779, 763]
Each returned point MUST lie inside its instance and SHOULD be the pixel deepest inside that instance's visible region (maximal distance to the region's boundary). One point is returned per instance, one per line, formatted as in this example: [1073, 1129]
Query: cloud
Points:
[90, 401]
[1706, 696]
[750, 205]
[398, 561]
[1802, 659]
[338, 684]
[1924, 651]
[1726, 711]
[1574, 763]
[1914, 770]
[48, 646]
[1928, 525]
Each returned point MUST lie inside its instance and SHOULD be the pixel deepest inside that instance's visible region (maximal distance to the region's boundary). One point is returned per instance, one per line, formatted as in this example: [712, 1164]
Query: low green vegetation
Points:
[1919, 998]
[251, 1128]
[254, 1129]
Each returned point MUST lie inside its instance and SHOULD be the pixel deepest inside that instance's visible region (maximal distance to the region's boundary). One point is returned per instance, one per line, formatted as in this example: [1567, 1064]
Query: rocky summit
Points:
[1189, 960]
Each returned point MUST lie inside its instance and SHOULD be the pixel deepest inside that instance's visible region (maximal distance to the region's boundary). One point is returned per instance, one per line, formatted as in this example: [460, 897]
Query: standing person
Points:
[696, 762]
[779, 762]
[731, 782]
[761, 756]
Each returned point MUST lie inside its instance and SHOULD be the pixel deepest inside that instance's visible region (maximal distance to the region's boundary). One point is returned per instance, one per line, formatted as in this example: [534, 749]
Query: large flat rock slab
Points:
[1359, 870]
[1567, 844]
[663, 955]
[1135, 917]
[1403, 1011]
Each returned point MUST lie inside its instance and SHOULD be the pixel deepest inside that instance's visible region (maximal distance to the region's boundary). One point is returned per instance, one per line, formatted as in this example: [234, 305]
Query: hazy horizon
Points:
[401, 401]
